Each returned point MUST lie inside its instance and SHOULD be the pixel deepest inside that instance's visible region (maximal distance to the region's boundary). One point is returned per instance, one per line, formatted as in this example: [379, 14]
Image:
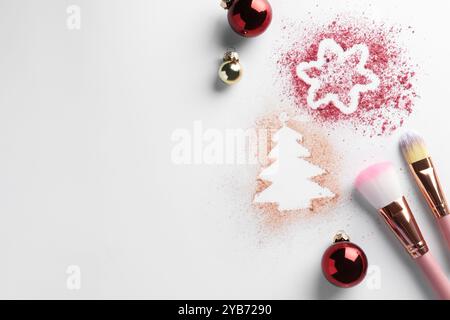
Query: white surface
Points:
[86, 176]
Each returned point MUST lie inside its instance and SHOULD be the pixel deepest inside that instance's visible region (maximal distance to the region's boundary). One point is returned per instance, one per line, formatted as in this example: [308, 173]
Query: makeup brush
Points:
[422, 168]
[380, 186]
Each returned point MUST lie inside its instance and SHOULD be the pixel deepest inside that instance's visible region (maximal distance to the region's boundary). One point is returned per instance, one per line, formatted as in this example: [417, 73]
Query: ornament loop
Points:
[226, 4]
[231, 55]
[341, 236]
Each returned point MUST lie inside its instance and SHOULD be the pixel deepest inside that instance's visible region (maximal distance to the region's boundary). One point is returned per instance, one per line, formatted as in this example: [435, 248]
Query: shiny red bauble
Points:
[249, 18]
[344, 264]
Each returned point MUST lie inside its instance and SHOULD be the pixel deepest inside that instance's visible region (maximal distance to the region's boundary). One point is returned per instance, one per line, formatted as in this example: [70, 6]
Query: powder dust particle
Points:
[380, 111]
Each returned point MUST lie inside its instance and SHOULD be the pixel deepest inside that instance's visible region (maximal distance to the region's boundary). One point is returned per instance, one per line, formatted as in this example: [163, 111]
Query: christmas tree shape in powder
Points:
[290, 175]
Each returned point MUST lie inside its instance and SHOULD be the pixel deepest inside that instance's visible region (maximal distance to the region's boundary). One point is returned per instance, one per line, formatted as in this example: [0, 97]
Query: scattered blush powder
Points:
[380, 111]
[322, 155]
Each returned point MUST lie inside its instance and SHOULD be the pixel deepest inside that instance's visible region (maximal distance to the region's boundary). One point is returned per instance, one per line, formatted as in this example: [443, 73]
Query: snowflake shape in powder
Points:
[338, 76]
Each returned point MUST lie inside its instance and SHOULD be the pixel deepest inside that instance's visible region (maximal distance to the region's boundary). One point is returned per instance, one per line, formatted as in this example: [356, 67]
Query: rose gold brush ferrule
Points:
[400, 219]
[428, 182]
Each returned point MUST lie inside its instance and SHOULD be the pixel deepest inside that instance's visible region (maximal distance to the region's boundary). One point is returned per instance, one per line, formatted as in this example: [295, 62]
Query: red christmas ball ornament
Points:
[344, 264]
[249, 18]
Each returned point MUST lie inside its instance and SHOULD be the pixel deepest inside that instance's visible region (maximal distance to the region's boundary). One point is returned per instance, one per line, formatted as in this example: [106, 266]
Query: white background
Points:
[86, 176]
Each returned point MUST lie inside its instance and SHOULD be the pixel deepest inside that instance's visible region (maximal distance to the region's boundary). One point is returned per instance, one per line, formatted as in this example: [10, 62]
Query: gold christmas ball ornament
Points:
[230, 71]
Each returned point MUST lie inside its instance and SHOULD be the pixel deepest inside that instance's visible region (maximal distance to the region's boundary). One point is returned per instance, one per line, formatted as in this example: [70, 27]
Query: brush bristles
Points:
[413, 147]
[379, 184]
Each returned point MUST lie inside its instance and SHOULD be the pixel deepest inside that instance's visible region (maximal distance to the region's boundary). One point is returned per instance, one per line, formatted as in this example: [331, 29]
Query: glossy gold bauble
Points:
[230, 71]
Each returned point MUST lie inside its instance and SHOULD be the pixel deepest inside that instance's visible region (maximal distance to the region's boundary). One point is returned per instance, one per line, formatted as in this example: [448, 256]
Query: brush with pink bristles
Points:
[380, 186]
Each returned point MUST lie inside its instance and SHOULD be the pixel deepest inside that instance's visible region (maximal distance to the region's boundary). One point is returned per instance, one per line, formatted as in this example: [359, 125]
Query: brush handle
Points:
[435, 276]
[444, 225]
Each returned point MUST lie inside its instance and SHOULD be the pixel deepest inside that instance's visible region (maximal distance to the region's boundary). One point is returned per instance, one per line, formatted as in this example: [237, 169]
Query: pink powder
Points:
[380, 111]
